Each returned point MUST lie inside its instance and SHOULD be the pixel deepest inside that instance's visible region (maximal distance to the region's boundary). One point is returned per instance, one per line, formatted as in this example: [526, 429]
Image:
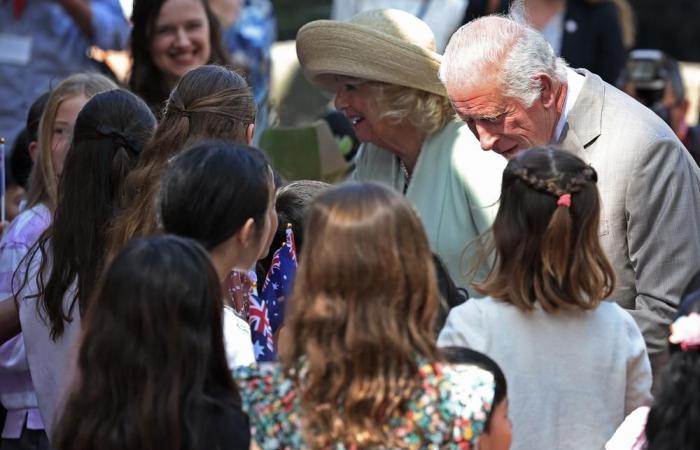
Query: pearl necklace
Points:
[406, 175]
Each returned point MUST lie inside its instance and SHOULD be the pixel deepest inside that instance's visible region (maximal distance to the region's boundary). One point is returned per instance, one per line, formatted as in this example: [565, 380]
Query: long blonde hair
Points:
[361, 314]
[43, 180]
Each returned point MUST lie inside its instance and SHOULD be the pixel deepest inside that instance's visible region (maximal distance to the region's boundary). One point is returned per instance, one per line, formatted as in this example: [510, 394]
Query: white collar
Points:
[574, 83]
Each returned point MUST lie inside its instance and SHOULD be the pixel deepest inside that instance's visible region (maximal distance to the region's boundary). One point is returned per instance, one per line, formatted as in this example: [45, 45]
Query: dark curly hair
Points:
[673, 420]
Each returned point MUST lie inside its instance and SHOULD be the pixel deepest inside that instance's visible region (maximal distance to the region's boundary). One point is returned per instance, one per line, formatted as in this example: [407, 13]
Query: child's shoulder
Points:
[463, 393]
[614, 312]
[270, 399]
[265, 378]
[466, 386]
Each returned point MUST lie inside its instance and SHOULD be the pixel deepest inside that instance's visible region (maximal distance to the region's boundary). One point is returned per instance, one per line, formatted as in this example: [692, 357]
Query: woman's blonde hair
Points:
[209, 102]
[43, 180]
[361, 315]
[545, 235]
[424, 110]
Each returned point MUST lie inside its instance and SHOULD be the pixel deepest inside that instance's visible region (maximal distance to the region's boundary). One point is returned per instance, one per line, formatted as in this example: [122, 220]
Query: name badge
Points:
[15, 49]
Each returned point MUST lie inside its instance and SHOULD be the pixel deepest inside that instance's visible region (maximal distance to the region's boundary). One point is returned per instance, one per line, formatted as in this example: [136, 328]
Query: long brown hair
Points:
[43, 180]
[547, 252]
[110, 132]
[362, 311]
[209, 102]
[152, 357]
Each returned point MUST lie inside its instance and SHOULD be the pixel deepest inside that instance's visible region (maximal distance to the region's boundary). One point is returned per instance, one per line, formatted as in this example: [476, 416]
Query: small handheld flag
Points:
[279, 279]
[260, 331]
[266, 312]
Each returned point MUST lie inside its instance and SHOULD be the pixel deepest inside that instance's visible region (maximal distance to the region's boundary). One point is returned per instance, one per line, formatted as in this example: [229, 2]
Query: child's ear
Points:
[33, 148]
[247, 233]
[250, 133]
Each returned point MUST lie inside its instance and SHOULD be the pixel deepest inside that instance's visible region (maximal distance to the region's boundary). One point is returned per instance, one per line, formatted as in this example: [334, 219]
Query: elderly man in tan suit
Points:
[506, 82]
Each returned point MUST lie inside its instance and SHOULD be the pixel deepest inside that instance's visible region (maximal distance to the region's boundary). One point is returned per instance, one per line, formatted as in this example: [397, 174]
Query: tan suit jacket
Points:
[650, 190]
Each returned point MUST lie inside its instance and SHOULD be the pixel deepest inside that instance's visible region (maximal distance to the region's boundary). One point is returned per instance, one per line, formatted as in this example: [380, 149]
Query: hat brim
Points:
[328, 48]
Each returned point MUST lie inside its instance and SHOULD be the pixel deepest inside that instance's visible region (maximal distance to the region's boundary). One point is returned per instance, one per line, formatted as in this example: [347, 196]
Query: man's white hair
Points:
[504, 50]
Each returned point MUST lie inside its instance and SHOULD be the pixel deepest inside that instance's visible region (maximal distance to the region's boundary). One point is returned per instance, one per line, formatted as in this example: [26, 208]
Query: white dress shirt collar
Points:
[574, 83]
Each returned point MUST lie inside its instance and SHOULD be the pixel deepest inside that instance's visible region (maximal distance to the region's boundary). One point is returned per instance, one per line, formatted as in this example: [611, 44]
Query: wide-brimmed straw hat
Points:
[385, 45]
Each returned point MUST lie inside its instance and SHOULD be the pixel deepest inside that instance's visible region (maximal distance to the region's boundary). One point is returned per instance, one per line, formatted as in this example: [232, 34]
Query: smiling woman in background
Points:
[169, 38]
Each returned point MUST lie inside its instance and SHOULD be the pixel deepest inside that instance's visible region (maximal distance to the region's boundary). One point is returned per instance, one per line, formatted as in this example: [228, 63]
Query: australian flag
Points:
[279, 279]
[266, 312]
[260, 331]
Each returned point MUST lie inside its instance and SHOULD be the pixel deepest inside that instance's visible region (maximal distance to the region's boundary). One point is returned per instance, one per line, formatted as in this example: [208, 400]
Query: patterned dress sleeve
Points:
[466, 396]
[270, 400]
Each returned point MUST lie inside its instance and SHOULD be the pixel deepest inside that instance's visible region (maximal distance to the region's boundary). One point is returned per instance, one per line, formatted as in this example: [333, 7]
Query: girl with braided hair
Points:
[576, 364]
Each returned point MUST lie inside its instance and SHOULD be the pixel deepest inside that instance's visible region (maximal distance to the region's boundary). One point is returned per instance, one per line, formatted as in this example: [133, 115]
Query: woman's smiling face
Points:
[180, 38]
[354, 99]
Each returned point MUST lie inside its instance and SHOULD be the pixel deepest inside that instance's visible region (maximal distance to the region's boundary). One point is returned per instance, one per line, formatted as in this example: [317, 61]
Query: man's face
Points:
[502, 124]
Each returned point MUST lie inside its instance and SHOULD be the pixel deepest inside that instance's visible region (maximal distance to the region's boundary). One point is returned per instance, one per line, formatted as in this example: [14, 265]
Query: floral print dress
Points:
[449, 412]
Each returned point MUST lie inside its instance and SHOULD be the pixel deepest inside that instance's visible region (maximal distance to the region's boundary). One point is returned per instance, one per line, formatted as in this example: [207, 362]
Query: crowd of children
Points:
[146, 303]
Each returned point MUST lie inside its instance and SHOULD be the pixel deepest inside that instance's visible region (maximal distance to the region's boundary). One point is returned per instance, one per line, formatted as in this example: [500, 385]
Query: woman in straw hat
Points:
[383, 68]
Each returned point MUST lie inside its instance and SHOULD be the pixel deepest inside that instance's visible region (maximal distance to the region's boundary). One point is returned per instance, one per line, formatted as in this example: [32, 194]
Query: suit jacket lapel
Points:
[584, 124]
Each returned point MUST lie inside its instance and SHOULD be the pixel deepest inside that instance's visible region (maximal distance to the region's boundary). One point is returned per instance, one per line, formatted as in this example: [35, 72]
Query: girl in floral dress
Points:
[360, 367]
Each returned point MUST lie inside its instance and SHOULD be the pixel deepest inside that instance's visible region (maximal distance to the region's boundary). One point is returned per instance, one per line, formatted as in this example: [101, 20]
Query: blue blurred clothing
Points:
[249, 42]
[58, 49]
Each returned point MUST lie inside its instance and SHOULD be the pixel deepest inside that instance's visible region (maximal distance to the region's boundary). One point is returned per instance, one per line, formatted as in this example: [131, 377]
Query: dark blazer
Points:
[592, 39]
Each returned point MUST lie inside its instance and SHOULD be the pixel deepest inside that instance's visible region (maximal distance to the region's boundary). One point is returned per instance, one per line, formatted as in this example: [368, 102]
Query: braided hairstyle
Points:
[545, 236]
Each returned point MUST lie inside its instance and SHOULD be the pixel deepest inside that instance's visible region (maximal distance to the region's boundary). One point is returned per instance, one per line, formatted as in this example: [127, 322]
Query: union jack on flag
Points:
[279, 279]
[260, 331]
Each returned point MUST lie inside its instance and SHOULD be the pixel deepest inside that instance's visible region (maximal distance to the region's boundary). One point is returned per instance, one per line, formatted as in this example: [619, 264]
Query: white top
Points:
[52, 364]
[237, 340]
[572, 376]
[574, 83]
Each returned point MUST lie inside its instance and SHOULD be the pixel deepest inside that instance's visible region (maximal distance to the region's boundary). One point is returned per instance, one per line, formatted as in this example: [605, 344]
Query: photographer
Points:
[655, 79]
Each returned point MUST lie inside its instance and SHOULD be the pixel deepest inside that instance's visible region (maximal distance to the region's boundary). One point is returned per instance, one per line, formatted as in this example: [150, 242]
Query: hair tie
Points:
[685, 331]
[564, 200]
[184, 112]
[119, 138]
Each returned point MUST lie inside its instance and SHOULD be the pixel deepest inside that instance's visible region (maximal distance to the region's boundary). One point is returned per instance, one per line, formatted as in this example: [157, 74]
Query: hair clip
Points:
[119, 137]
[685, 331]
[564, 200]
